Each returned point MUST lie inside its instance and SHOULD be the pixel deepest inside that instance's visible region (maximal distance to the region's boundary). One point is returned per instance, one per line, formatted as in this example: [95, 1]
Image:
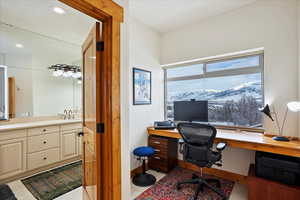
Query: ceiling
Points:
[38, 16]
[168, 15]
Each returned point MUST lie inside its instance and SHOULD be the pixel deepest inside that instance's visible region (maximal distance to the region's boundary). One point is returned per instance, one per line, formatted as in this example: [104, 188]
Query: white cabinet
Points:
[69, 144]
[42, 158]
[38, 147]
[43, 142]
[12, 157]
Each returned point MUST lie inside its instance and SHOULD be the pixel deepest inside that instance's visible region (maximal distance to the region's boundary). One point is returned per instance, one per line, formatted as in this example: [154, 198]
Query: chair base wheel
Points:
[143, 180]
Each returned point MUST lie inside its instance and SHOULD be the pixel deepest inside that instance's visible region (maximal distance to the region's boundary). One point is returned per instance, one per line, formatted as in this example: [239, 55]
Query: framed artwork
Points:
[141, 87]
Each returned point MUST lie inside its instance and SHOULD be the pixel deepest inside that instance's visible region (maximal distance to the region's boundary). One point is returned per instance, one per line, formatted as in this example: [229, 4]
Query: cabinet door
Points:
[12, 157]
[69, 144]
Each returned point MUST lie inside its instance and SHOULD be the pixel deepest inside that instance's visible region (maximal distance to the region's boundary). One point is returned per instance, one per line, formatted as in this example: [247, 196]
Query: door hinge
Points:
[100, 46]
[100, 127]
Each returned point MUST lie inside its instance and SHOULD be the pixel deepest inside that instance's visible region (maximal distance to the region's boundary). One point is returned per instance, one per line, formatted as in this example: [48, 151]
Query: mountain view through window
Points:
[233, 89]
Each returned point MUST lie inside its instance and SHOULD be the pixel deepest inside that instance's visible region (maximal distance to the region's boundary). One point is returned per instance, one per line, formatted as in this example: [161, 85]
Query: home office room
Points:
[237, 71]
[150, 100]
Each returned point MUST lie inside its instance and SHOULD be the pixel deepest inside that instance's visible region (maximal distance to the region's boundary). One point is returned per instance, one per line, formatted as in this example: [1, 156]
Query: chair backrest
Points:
[198, 139]
[197, 134]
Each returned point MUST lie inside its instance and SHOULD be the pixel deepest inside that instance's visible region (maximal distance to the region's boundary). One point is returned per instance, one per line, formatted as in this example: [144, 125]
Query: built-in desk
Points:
[244, 140]
[258, 188]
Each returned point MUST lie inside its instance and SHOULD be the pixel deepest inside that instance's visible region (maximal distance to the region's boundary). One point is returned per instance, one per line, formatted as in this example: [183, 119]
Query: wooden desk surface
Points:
[244, 140]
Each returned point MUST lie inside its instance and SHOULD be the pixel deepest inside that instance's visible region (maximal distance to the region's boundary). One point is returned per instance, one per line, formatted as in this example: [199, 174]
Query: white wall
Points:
[271, 24]
[51, 95]
[144, 44]
[23, 80]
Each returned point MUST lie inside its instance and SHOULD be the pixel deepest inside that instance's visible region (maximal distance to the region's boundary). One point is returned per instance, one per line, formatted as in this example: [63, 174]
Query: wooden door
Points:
[92, 115]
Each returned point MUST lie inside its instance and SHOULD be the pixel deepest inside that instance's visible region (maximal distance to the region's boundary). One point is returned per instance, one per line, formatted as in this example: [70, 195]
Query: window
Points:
[232, 87]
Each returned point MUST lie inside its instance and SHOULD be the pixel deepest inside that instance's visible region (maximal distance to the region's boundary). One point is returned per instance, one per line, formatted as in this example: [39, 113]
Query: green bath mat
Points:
[51, 184]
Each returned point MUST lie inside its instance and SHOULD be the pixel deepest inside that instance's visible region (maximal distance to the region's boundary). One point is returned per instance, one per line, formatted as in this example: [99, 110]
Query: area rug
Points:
[51, 184]
[165, 189]
[6, 193]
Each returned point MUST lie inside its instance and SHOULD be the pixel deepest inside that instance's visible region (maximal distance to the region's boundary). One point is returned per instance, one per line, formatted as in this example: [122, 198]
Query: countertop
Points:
[26, 125]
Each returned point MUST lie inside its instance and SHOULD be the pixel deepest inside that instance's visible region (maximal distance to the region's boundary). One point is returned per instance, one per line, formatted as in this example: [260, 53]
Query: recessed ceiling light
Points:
[19, 45]
[59, 10]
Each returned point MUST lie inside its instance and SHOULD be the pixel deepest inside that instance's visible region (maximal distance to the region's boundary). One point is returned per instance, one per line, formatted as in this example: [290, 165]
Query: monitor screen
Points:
[191, 111]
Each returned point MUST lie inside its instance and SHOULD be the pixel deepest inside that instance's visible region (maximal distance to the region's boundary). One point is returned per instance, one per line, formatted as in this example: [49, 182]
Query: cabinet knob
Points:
[45, 142]
[157, 158]
[80, 134]
[44, 130]
[45, 158]
[156, 142]
[156, 150]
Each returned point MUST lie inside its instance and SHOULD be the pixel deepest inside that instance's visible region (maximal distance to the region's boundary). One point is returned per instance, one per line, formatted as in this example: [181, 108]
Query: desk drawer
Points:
[42, 130]
[158, 163]
[165, 157]
[42, 158]
[158, 142]
[160, 152]
[42, 142]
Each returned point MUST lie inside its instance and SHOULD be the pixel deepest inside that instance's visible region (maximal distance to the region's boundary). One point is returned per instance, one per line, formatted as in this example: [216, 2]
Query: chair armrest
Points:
[221, 146]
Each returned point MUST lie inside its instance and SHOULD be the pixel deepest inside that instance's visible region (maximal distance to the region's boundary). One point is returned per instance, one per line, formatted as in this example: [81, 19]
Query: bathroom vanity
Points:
[33, 98]
[31, 147]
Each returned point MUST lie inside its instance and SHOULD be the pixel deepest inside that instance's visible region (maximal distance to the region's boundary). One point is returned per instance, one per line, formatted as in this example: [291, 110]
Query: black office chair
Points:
[197, 149]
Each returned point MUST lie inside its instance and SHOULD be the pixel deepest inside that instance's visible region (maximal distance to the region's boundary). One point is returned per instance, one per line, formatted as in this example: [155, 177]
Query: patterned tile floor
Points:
[239, 191]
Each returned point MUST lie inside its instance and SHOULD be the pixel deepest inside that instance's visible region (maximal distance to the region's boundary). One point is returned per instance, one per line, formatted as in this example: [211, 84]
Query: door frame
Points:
[111, 16]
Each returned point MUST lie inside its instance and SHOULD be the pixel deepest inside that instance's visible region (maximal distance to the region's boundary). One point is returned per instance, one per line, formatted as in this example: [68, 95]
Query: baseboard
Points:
[216, 172]
[39, 170]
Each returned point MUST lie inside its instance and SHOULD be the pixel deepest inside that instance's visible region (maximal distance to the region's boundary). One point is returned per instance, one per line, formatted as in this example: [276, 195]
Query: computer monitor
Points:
[191, 111]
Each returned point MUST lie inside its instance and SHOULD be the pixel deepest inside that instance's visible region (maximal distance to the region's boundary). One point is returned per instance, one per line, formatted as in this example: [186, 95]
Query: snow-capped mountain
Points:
[249, 89]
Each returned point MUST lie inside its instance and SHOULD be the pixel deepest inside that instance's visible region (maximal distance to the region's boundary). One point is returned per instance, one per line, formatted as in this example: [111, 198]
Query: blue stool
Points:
[143, 179]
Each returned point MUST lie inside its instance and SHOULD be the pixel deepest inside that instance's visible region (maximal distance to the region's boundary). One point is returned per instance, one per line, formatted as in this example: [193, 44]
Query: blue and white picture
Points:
[141, 87]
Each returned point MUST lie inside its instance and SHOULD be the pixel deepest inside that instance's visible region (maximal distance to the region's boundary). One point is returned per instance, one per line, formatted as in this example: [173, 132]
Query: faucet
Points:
[70, 115]
[65, 114]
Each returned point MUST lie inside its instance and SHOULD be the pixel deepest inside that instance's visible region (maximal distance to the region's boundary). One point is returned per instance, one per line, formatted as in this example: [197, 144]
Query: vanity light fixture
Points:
[59, 10]
[19, 45]
[66, 71]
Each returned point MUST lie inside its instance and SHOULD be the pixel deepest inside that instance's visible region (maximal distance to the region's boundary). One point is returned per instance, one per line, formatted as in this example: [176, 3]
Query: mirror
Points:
[34, 89]
[3, 93]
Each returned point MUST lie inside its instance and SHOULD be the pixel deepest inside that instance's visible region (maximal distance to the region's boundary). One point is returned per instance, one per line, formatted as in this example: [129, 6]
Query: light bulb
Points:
[57, 73]
[19, 45]
[67, 74]
[294, 106]
[76, 75]
[59, 10]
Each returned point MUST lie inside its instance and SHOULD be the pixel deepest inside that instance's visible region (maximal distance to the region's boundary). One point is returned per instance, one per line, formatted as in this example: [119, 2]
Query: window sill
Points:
[236, 128]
